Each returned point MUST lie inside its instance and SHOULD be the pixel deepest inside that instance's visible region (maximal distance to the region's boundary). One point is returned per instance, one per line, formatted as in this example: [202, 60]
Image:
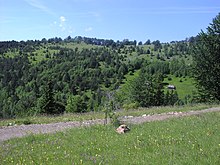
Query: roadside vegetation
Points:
[68, 117]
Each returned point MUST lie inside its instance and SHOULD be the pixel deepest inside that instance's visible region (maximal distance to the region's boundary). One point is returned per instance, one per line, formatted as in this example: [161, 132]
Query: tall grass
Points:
[100, 115]
[190, 140]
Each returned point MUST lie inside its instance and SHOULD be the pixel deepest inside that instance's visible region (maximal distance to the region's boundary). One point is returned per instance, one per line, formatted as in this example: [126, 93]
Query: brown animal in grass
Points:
[122, 129]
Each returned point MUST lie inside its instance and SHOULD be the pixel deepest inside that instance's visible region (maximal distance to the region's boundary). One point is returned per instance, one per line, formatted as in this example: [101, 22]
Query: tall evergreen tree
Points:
[206, 55]
[158, 89]
[47, 102]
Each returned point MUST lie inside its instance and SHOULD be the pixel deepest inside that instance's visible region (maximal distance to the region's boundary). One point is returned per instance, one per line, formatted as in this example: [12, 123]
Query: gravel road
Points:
[24, 130]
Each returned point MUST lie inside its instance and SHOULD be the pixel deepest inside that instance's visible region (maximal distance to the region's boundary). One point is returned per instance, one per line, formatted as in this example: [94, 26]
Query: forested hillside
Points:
[85, 74]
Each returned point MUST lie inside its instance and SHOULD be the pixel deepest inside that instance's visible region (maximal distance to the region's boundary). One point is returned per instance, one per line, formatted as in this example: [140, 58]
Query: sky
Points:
[164, 20]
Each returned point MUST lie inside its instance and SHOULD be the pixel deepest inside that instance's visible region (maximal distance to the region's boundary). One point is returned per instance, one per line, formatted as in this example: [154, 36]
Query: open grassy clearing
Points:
[100, 115]
[189, 140]
[184, 86]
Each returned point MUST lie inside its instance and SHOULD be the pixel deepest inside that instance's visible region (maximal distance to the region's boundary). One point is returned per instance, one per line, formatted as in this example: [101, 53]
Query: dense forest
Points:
[76, 75]
[81, 74]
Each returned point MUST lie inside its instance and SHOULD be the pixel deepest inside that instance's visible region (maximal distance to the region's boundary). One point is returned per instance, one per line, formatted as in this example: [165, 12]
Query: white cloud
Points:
[39, 5]
[62, 19]
[62, 23]
[88, 29]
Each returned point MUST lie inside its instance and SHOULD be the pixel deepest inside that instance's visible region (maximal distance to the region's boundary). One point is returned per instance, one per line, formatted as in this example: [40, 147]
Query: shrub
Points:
[169, 78]
[133, 105]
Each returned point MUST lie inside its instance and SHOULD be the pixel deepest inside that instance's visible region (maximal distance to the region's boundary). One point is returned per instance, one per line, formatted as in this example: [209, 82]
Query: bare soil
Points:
[9, 132]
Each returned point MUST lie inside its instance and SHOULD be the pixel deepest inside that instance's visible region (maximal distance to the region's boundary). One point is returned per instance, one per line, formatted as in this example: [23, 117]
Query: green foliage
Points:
[47, 103]
[109, 109]
[8, 108]
[157, 45]
[130, 106]
[171, 98]
[206, 55]
[147, 90]
[75, 104]
[25, 121]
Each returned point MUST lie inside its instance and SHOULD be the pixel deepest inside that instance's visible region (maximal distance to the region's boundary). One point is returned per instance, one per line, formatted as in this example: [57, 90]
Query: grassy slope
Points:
[190, 140]
[184, 86]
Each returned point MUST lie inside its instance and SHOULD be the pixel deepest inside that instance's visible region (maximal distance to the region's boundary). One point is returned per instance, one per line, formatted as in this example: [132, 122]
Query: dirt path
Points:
[23, 130]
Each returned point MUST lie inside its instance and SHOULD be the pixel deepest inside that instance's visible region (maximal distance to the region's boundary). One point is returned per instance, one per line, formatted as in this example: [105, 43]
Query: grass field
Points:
[184, 86]
[189, 140]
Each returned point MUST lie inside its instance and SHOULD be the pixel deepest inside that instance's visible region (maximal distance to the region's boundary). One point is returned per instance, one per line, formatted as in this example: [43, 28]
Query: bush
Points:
[114, 119]
[26, 121]
[75, 104]
[134, 105]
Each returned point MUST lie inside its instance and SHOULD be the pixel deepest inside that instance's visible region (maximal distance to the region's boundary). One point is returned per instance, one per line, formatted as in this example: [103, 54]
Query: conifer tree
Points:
[206, 55]
[47, 102]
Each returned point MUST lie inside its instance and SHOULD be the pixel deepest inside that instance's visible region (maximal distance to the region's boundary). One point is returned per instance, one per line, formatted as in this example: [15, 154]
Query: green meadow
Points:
[189, 140]
[185, 86]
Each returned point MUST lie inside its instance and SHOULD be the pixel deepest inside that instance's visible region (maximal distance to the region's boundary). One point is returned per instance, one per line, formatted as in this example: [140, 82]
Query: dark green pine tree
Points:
[48, 104]
[171, 97]
[206, 56]
[158, 87]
